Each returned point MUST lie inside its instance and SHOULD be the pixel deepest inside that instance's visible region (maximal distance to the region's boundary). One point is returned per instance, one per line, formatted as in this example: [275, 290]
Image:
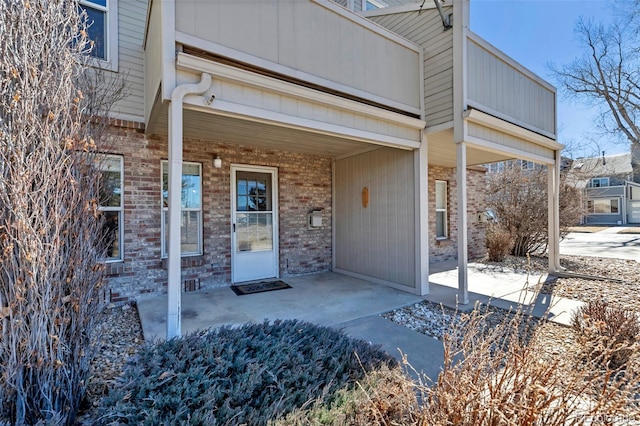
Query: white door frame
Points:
[275, 221]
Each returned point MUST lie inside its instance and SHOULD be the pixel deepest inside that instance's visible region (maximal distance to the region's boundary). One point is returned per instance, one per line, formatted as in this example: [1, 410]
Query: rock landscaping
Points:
[119, 334]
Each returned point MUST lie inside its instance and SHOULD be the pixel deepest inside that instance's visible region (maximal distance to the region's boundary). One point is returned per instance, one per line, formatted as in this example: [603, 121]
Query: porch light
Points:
[217, 162]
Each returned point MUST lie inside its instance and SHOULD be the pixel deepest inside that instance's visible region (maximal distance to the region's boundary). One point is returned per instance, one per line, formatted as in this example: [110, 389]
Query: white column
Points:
[421, 179]
[461, 183]
[174, 269]
[553, 193]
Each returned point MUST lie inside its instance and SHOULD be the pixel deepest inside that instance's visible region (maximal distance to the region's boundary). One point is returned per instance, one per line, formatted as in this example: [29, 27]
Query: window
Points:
[373, 4]
[191, 213]
[111, 204]
[102, 22]
[599, 182]
[441, 209]
[604, 206]
[527, 165]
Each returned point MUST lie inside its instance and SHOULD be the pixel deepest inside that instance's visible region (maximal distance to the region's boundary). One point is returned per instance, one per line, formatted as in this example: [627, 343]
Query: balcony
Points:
[310, 65]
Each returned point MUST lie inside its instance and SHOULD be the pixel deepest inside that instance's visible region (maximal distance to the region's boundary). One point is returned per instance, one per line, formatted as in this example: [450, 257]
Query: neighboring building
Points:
[611, 188]
[311, 138]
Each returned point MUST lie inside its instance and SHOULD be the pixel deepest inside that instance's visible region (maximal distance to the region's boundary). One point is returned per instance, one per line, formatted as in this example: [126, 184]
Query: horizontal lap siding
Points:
[377, 240]
[425, 29]
[131, 24]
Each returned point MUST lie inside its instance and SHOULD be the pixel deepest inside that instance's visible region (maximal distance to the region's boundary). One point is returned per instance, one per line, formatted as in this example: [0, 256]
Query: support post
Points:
[553, 194]
[421, 179]
[461, 182]
[174, 271]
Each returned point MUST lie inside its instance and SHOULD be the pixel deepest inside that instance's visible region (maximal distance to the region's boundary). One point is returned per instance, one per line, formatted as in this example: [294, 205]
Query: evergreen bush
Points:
[238, 375]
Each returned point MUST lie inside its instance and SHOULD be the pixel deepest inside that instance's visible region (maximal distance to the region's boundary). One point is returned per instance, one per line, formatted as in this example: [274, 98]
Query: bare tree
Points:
[519, 200]
[51, 238]
[608, 73]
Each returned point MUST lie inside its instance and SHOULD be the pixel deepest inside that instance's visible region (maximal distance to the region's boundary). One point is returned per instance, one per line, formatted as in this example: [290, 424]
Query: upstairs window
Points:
[102, 23]
[441, 210]
[599, 182]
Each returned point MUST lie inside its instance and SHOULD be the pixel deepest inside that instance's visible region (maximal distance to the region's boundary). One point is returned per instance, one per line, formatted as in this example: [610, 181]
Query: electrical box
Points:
[314, 219]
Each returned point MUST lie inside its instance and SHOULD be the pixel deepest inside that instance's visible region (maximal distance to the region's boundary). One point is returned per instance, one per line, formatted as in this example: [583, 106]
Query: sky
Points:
[539, 32]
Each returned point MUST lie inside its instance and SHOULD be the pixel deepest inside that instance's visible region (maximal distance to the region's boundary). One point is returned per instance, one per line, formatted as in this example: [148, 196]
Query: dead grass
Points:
[635, 230]
[491, 376]
[586, 229]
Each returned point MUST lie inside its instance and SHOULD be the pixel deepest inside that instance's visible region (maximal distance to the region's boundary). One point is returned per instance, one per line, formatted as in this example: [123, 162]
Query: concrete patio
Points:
[354, 306]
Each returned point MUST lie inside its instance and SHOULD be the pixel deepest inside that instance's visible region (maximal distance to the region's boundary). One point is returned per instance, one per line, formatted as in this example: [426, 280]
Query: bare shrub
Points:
[606, 334]
[499, 243]
[519, 199]
[494, 375]
[51, 239]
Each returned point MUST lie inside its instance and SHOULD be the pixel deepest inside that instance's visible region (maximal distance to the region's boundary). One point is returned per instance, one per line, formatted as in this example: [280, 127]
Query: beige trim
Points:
[479, 117]
[255, 61]
[497, 148]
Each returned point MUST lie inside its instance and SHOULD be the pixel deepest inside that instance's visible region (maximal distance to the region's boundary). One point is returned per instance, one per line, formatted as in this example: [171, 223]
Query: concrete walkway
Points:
[354, 306]
[606, 243]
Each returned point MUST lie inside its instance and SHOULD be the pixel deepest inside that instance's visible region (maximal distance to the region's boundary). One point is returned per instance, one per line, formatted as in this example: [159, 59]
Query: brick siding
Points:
[304, 184]
[441, 250]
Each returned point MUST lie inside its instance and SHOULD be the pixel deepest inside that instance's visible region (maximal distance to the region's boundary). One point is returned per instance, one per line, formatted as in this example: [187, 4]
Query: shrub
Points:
[499, 243]
[247, 374]
[606, 334]
[51, 233]
[492, 375]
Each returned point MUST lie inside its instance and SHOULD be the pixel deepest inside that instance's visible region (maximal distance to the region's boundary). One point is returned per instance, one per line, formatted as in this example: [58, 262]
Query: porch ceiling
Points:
[236, 131]
[442, 151]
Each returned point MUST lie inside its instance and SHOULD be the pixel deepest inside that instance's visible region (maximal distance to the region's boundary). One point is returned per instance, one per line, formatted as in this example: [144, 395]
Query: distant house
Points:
[267, 139]
[611, 188]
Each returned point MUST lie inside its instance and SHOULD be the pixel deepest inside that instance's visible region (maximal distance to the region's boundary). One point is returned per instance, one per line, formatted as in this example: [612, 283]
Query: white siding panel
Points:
[131, 22]
[377, 241]
[253, 97]
[498, 86]
[509, 141]
[308, 37]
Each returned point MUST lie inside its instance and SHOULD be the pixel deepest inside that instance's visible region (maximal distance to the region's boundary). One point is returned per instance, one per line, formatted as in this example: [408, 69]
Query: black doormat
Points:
[260, 287]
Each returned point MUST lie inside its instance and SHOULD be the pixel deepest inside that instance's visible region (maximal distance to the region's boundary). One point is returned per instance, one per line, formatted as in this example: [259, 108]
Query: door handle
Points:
[234, 227]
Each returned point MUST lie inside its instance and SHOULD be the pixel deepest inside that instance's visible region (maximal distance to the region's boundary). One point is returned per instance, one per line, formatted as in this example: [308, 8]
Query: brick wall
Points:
[304, 184]
[441, 250]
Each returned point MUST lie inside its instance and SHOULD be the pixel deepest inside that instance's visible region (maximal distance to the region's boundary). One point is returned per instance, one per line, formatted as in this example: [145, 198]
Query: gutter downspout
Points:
[174, 271]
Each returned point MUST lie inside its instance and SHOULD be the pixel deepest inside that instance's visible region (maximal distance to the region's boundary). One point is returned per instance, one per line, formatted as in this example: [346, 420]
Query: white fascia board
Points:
[497, 148]
[211, 47]
[225, 72]
[484, 119]
[259, 115]
[367, 24]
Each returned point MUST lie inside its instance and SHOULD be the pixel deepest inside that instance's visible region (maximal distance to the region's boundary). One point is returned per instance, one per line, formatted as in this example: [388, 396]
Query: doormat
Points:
[260, 287]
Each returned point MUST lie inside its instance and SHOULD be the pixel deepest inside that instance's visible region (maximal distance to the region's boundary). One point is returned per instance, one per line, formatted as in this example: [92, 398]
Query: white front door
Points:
[254, 223]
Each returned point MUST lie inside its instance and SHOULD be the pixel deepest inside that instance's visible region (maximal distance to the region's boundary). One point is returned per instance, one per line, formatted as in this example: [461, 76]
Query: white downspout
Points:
[175, 205]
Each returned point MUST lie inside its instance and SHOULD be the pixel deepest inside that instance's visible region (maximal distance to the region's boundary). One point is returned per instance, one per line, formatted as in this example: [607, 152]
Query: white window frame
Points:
[442, 184]
[165, 210]
[102, 159]
[593, 201]
[111, 37]
[600, 180]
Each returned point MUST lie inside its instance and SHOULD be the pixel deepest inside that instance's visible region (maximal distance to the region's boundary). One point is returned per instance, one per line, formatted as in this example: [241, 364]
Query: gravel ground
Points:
[119, 334]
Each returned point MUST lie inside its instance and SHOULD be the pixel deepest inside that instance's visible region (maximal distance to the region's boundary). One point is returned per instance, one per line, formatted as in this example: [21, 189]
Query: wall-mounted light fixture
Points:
[217, 162]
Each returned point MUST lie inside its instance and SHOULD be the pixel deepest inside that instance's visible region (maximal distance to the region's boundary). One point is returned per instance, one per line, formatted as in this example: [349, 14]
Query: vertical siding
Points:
[377, 241]
[311, 38]
[131, 22]
[495, 83]
[425, 29]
